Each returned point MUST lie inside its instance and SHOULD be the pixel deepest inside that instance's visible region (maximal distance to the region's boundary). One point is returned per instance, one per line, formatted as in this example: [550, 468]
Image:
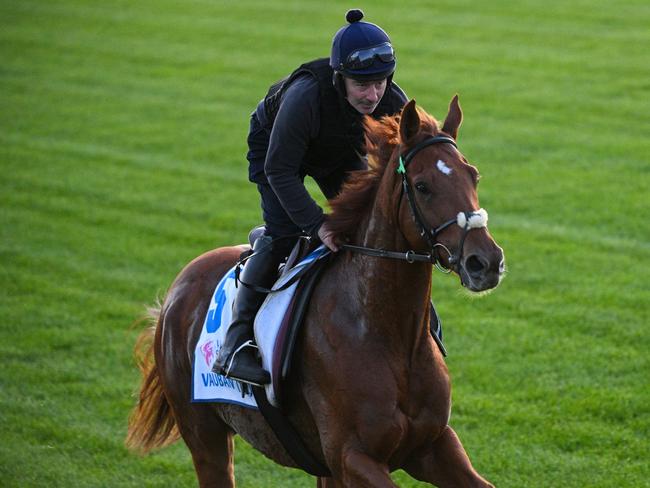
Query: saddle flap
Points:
[296, 314]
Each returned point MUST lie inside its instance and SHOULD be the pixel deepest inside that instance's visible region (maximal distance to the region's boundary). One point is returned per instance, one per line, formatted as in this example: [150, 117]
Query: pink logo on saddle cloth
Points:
[207, 350]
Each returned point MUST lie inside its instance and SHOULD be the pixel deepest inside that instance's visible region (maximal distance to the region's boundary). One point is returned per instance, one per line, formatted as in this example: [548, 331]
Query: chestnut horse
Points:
[369, 391]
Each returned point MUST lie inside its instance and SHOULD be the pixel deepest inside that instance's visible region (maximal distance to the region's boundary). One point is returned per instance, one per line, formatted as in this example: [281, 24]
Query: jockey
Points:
[309, 123]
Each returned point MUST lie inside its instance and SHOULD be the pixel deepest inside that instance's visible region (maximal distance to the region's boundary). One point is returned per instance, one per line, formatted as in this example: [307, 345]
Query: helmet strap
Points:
[339, 84]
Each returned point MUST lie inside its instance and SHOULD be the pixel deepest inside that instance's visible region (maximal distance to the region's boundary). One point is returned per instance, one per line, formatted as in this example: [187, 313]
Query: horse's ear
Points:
[453, 119]
[409, 124]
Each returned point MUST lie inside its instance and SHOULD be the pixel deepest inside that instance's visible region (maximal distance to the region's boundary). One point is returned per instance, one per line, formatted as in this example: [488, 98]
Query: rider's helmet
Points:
[362, 50]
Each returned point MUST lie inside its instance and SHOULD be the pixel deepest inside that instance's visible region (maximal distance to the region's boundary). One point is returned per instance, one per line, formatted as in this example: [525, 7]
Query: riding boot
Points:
[236, 358]
[435, 327]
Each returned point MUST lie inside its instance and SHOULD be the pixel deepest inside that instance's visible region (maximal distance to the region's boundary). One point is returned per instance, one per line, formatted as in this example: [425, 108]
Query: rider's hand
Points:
[327, 237]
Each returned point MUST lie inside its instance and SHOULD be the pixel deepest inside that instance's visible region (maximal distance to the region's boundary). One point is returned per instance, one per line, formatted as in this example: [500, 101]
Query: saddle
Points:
[302, 248]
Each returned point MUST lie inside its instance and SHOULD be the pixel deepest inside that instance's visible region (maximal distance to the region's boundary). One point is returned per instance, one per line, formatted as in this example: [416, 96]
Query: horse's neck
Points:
[396, 294]
[404, 282]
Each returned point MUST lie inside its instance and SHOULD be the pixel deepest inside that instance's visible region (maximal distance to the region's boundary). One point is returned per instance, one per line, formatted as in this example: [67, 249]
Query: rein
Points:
[408, 256]
[465, 220]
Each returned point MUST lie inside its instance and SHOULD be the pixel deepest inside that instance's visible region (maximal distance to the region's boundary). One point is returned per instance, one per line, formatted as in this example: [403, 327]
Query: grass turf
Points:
[122, 130]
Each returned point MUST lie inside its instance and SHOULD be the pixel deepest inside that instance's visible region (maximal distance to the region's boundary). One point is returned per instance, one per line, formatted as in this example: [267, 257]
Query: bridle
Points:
[466, 220]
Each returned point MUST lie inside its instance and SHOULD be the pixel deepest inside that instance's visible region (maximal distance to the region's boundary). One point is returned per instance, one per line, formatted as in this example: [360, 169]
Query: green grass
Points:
[122, 144]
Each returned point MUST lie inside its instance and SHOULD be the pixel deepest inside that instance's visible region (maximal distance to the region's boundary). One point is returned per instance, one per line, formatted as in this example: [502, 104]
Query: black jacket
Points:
[313, 131]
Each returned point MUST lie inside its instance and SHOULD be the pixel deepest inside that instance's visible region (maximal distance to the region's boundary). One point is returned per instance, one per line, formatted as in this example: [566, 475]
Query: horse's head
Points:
[439, 209]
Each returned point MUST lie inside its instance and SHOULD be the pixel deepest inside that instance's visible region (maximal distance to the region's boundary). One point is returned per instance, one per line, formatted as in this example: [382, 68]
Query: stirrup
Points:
[234, 353]
[227, 370]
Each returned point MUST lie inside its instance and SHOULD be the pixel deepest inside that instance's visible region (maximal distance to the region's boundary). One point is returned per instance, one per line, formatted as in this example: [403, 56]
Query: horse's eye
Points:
[422, 188]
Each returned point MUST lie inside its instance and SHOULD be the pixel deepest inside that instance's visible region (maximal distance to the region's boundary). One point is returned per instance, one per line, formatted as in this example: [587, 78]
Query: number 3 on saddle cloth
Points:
[276, 328]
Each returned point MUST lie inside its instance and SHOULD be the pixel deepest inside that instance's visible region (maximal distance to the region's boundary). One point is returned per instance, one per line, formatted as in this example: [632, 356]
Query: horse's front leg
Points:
[352, 467]
[445, 463]
[358, 470]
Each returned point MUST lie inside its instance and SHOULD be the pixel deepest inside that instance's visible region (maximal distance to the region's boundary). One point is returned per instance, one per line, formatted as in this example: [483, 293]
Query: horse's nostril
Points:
[474, 265]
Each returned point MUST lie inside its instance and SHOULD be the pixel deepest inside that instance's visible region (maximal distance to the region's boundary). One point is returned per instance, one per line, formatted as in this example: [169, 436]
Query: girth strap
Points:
[288, 436]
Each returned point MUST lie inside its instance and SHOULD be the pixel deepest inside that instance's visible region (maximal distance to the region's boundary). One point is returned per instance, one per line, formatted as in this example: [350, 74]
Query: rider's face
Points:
[364, 96]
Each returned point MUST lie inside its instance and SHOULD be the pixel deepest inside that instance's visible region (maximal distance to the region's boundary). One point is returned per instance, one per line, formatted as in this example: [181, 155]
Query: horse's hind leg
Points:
[445, 463]
[210, 442]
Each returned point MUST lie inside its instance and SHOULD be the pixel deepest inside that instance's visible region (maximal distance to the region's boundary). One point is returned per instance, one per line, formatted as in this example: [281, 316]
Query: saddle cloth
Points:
[271, 334]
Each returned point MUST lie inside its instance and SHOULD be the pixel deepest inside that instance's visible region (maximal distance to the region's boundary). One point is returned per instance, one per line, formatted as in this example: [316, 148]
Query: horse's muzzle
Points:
[482, 271]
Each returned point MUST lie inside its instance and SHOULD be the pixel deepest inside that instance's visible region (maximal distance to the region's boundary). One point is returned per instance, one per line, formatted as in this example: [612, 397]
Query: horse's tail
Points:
[151, 424]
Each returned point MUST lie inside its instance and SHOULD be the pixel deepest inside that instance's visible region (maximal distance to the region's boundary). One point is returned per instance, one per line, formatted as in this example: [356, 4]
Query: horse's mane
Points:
[359, 191]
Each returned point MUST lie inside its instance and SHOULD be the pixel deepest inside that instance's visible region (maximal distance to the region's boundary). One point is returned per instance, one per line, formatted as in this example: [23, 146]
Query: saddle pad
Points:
[212, 387]
[206, 385]
[271, 329]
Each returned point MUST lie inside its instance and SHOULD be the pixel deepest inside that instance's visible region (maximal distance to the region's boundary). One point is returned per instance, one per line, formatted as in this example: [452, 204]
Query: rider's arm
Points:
[296, 123]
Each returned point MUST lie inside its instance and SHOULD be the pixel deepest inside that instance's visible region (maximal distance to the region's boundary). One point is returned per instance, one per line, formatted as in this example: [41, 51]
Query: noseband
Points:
[474, 219]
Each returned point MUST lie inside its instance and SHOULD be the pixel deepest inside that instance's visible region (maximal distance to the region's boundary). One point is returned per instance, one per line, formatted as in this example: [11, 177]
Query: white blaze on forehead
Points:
[442, 166]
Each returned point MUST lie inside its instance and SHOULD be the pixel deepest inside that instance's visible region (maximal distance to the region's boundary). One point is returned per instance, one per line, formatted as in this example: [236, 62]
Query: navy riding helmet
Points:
[362, 50]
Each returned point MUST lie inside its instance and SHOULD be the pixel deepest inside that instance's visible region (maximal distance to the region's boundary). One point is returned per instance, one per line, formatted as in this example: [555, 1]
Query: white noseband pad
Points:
[472, 220]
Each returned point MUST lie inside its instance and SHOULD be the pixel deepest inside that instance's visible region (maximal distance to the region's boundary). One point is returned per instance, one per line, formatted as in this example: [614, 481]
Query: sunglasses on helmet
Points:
[363, 58]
